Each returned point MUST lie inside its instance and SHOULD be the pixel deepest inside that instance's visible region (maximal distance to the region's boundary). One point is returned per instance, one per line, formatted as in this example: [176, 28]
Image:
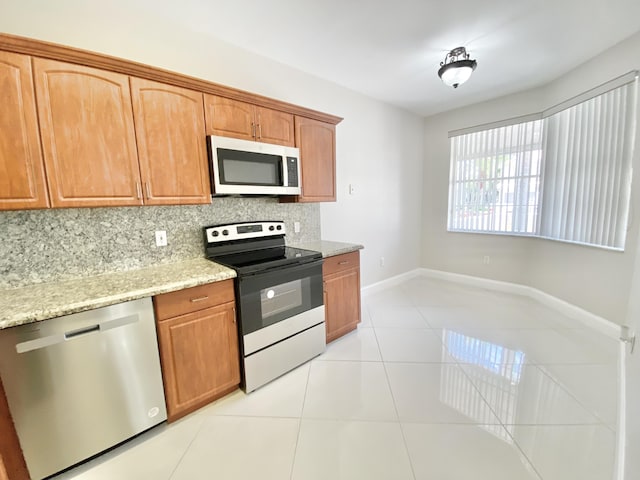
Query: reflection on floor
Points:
[440, 381]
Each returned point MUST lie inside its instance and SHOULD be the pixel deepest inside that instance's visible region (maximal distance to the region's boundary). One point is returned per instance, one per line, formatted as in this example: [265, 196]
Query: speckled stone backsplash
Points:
[48, 245]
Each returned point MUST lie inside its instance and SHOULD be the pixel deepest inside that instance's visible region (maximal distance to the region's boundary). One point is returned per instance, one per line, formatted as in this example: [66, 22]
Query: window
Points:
[587, 170]
[495, 178]
[564, 174]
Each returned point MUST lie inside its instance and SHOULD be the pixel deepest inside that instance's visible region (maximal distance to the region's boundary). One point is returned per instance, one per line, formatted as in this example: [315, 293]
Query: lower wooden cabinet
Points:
[199, 349]
[341, 280]
[12, 465]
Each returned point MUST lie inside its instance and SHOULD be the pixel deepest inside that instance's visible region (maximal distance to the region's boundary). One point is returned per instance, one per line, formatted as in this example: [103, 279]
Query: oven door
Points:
[278, 303]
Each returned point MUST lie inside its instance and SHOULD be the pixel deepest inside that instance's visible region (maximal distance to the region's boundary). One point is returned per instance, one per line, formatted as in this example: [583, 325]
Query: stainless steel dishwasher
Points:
[79, 384]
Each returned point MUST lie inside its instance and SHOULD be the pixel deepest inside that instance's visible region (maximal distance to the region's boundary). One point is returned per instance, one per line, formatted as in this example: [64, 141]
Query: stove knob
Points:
[271, 228]
[225, 232]
[215, 233]
[279, 227]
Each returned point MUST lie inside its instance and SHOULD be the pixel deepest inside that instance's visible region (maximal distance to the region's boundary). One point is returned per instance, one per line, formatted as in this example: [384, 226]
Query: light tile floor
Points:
[440, 381]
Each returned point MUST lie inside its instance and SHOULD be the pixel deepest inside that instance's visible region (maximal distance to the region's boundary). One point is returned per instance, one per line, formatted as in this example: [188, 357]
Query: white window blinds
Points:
[588, 151]
[564, 174]
[495, 176]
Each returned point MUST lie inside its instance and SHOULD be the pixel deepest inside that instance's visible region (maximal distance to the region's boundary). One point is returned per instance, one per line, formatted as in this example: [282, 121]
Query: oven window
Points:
[281, 298]
[268, 298]
[249, 168]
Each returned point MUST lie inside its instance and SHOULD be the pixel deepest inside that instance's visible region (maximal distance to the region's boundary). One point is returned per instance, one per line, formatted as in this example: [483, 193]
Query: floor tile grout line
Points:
[173, 472]
[304, 400]
[574, 396]
[395, 407]
[502, 424]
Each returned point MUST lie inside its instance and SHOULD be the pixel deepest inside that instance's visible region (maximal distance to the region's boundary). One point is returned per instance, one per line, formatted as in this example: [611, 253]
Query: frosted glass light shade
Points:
[456, 73]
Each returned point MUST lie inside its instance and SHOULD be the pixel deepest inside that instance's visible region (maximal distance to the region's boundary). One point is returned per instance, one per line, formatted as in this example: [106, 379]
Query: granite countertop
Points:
[43, 301]
[328, 248]
[49, 300]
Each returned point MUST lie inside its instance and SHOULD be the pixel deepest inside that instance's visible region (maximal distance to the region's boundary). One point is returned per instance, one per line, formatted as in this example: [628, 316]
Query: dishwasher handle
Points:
[56, 338]
[81, 331]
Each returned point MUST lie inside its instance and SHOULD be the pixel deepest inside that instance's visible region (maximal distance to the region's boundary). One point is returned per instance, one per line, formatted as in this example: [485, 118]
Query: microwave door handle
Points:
[285, 171]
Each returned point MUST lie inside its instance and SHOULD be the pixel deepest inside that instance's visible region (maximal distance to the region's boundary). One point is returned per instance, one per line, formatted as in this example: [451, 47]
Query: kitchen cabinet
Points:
[71, 135]
[198, 341]
[3, 471]
[341, 283]
[233, 118]
[22, 174]
[317, 143]
[88, 137]
[12, 465]
[170, 135]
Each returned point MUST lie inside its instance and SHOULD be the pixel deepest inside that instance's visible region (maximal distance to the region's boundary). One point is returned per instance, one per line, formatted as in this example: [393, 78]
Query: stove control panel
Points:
[239, 231]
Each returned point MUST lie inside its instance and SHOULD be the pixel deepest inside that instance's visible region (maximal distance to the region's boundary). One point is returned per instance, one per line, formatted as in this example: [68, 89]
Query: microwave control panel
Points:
[292, 172]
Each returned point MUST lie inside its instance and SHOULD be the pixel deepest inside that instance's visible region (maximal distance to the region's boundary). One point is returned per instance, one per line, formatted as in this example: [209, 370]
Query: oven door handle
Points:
[292, 267]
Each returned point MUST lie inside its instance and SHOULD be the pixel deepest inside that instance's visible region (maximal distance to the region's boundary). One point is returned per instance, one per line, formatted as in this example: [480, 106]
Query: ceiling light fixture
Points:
[456, 67]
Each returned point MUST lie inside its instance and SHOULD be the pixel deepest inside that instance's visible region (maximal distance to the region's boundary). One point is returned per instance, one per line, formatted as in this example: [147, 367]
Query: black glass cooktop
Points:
[259, 260]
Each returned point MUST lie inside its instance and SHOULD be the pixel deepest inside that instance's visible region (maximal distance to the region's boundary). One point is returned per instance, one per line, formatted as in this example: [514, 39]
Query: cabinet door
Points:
[86, 124]
[199, 353]
[11, 459]
[317, 143]
[22, 177]
[229, 118]
[342, 303]
[274, 127]
[170, 135]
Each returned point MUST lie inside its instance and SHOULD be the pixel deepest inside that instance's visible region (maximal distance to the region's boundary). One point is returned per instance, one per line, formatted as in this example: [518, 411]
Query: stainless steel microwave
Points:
[242, 167]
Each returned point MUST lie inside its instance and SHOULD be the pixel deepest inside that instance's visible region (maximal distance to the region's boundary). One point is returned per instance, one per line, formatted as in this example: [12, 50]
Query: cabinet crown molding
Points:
[53, 51]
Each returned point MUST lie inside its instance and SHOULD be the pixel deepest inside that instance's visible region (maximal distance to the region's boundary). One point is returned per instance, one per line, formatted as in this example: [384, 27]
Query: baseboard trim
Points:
[390, 282]
[585, 317]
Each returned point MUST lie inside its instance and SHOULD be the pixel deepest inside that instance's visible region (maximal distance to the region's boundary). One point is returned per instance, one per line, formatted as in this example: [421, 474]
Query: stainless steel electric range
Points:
[279, 297]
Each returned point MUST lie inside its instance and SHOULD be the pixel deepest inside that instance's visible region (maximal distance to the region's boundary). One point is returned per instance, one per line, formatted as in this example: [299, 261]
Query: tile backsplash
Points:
[58, 244]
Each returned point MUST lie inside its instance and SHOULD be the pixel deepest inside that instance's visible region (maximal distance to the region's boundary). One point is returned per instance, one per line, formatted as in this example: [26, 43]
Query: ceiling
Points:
[391, 50]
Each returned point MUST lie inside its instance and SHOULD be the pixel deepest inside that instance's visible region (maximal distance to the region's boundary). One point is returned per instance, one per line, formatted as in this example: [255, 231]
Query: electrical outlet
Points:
[486, 259]
[296, 227]
[161, 238]
[352, 189]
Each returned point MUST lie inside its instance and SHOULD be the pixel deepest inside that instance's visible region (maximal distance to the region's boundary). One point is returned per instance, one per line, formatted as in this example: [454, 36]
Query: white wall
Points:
[594, 279]
[379, 147]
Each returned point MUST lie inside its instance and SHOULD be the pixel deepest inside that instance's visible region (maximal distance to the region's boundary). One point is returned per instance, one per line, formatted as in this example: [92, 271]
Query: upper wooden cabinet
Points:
[317, 143]
[22, 175]
[170, 134]
[80, 129]
[233, 118]
[274, 127]
[88, 139]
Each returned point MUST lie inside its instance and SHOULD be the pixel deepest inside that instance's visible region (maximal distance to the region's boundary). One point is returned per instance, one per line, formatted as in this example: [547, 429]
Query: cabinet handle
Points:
[253, 130]
[199, 299]
[259, 131]
[344, 262]
[139, 190]
[234, 315]
[147, 189]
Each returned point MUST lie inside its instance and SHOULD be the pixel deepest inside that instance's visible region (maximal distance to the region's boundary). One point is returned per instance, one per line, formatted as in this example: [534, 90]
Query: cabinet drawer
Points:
[340, 263]
[189, 300]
